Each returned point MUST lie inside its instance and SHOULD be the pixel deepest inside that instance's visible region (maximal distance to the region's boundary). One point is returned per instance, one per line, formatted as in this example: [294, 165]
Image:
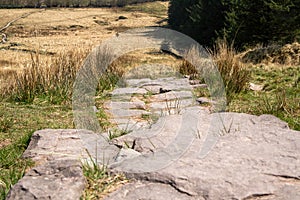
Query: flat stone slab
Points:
[173, 104]
[172, 95]
[60, 144]
[129, 91]
[255, 157]
[56, 180]
[127, 113]
[125, 105]
[147, 140]
[148, 190]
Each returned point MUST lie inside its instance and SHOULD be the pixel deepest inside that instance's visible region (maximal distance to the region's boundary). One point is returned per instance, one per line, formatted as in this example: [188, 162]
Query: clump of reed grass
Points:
[50, 78]
[234, 73]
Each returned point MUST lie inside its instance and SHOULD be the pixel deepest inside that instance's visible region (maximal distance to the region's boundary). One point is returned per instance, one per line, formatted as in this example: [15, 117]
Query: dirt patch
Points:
[288, 54]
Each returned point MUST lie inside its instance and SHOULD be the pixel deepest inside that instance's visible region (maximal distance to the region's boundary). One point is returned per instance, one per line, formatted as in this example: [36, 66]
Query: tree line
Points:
[242, 22]
[65, 3]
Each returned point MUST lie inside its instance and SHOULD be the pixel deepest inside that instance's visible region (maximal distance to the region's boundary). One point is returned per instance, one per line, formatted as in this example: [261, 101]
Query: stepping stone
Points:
[253, 157]
[127, 113]
[154, 106]
[125, 105]
[129, 91]
[59, 179]
[173, 95]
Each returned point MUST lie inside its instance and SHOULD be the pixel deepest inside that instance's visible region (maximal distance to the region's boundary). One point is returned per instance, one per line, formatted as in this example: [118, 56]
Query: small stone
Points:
[204, 100]
[256, 87]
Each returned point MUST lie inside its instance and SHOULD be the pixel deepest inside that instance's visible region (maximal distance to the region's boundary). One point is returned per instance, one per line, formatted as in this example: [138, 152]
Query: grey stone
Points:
[170, 83]
[125, 105]
[126, 153]
[56, 144]
[199, 86]
[148, 140]
[99, 148]
[152, 88]
[135, 126]
[128, 91]
[254, 157]
[173, 95]
[55, 180]
[174, 84]
[138, 82]
[127, 113]
[149, 191]
[70, 144]
[173, 104]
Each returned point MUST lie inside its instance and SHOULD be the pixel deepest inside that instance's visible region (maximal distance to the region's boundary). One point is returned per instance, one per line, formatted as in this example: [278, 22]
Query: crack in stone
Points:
[257, 196]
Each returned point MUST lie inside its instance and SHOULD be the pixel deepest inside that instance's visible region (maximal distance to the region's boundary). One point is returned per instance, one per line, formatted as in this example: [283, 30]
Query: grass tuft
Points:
[234, 73]
[99, 181]
[51, 78]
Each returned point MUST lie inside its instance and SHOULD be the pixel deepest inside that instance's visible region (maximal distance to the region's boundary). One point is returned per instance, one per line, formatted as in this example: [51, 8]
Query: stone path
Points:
[137, 105]
[255, 157]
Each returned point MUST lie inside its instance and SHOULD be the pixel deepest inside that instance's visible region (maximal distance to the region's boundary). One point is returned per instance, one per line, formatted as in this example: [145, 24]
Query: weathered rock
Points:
[129, 91]
[173, 104]
[170, 83]
[70, 144]
[59, 155]
[255, 157]
[138, 82]
[127, 113]
[57, 144]
[157, 136]
[56, 180]
[199, 86]
[125, 105]
[172, 95]
[148, 190]
[126, 153]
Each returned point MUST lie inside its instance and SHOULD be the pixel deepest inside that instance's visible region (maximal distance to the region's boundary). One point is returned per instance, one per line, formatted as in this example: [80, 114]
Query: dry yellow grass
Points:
[50, 33]
[52, 30]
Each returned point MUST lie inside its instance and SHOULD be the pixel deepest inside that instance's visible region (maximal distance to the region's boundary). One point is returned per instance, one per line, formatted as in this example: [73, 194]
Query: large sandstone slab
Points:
[59, 155]
[56, 180]
[149, 190]
[254, 157]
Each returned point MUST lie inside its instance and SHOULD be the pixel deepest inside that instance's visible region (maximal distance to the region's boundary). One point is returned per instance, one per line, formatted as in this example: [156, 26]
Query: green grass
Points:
[280, 96]
[17, 123]
[12, 166]
[99, 180]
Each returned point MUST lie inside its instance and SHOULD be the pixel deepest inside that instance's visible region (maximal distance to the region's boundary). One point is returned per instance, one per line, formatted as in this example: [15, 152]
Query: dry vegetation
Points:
[53, 30]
